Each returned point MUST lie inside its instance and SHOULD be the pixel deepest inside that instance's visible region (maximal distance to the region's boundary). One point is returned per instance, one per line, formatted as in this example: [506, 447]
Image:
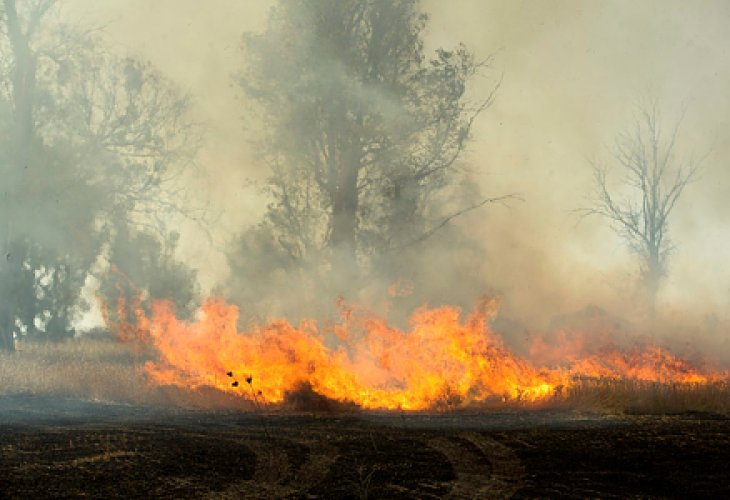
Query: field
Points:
[94, 428]
[68, 448]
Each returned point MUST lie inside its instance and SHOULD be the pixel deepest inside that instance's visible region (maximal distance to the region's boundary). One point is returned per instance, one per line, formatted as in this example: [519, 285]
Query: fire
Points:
[600, 358]
[439, 361]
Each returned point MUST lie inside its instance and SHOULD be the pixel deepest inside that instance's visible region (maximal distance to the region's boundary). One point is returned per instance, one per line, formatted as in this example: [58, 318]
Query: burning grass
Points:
[440, 363]
[107, 370]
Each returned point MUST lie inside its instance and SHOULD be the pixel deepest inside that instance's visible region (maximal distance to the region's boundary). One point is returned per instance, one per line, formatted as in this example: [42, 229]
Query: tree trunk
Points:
[7, 342]
[404, 199]
[23, 79]
[344, 215]
[652, 278]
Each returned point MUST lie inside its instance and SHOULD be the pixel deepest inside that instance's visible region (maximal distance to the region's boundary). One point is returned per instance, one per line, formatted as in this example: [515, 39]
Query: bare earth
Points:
[54, 447]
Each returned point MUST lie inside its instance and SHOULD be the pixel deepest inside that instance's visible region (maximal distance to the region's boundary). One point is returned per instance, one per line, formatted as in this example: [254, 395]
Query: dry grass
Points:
[98, 369]
[635, 396]
[92, 369]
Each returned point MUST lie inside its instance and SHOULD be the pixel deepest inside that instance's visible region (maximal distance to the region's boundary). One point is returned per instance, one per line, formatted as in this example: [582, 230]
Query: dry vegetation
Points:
[86, 368]
[634, 396]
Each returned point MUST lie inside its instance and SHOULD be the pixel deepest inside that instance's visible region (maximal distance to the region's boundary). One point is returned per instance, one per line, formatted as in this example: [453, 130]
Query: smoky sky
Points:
[572, 76]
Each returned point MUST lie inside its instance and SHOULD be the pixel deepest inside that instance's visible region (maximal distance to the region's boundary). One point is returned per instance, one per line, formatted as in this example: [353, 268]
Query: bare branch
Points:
[499, 199]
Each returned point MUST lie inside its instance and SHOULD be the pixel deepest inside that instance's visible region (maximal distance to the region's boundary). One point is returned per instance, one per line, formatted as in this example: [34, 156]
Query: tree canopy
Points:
[362, 131]
[91, 141]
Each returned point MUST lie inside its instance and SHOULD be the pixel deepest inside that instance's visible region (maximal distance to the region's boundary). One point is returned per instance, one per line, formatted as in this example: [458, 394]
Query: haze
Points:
[573, 74]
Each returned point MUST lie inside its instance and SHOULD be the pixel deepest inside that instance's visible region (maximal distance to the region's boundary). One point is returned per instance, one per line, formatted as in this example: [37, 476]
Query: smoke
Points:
[572, 77]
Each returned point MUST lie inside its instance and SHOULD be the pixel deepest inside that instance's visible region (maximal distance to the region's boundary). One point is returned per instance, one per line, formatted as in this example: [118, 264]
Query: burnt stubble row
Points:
[184, 454]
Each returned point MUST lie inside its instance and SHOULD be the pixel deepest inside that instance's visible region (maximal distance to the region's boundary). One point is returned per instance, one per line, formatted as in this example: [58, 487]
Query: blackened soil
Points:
[671, 457]
[117, 462]
[98, 450]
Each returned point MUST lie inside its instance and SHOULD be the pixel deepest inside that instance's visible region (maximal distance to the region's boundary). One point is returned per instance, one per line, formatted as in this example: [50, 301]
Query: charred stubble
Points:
[490, 455]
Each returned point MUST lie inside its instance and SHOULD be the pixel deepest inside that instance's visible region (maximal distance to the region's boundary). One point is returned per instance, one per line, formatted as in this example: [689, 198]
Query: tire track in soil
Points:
[274, 476]
[317, 466]
[484, 468]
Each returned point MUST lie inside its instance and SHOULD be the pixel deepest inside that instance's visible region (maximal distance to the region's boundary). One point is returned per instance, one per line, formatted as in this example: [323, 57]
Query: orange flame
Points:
[439, 361]
[599, 358]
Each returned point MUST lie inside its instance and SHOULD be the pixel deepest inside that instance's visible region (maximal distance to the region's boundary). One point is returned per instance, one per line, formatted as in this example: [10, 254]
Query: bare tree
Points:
[639, 210]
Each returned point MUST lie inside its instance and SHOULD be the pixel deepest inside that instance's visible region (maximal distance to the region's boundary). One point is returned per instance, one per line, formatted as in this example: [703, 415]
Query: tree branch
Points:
[499, 199]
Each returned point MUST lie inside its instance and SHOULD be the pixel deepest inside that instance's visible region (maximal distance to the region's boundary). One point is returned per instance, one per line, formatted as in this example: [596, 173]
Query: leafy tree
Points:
[89, 139]
[144, 268]
[362, 132]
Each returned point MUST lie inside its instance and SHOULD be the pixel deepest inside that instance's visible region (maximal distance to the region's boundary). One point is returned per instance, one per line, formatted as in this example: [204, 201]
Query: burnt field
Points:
[55, 447]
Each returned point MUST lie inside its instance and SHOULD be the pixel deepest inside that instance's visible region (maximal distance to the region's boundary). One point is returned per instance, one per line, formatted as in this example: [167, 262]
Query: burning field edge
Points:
[105, 370]
[442, 361]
